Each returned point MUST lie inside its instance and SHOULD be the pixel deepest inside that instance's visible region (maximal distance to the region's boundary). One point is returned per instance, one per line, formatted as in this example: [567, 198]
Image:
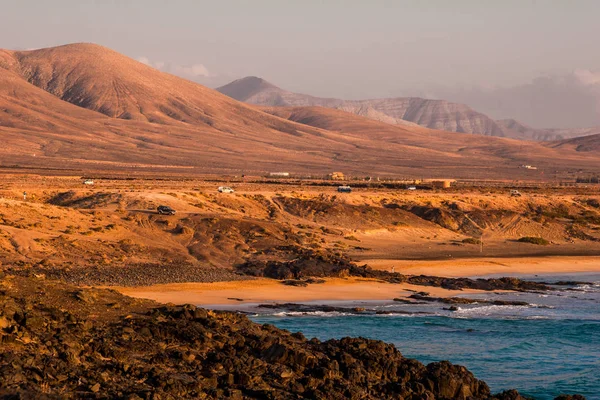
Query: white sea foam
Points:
[488, 310]
[587, 288]
[310, 314]
[533, 305]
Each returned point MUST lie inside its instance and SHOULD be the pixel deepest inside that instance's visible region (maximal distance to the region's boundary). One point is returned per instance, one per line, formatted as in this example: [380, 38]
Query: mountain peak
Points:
[244, 88]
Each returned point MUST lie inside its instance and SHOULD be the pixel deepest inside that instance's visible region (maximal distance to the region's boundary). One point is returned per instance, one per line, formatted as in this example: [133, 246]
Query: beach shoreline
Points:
[487, 266]
[264, 290]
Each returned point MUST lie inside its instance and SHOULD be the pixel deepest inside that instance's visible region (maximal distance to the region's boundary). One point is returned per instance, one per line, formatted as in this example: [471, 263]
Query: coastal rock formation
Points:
[311, 308]
[461, 300]
[63, 342]
[310, 264]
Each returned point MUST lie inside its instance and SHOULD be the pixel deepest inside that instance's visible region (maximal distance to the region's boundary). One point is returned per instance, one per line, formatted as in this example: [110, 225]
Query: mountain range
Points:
[434, 114]
[86, 107]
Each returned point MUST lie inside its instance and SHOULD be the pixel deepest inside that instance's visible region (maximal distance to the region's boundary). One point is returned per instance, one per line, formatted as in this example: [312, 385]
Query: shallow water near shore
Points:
[547, 348]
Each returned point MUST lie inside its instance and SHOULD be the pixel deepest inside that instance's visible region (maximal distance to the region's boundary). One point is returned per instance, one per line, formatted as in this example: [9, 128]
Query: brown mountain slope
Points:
[88, 107]
[580, 144]
[102, 80]
[192, 125]
[473, 150]
[39, 129]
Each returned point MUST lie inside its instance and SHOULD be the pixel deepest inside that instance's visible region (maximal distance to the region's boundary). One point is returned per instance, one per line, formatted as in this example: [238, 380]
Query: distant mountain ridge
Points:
[434, 114]
[84, 107]
[547, 134]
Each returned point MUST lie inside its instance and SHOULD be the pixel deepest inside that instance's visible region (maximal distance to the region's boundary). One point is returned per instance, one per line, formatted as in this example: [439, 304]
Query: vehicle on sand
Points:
[165, 210]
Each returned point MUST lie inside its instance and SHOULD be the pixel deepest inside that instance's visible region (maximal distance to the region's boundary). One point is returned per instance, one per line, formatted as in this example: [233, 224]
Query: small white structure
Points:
[279, 174]
[411, 188]
[225, 189]
[528, 167]
[344, 189]
[88, 182]
[515, 193]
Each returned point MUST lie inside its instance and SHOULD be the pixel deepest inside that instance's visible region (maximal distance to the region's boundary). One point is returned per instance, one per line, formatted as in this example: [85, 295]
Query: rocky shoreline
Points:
[60, 341]
[311, 308]
[309, 266]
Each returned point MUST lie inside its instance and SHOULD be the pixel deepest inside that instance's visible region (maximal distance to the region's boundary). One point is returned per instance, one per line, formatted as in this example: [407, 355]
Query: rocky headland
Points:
[61, 341]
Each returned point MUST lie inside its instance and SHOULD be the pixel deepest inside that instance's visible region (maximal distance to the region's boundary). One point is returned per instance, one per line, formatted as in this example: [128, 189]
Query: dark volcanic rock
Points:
[506, 283]
[311, 308]
[58, 342]
[511, 395]
[310, 264]
[571, 283]
[462, 300]
[307, 264]
[295, 282]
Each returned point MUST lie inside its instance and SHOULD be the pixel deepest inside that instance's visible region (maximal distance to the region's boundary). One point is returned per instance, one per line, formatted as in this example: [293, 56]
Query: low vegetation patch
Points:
[534, 240]
[593, 203]
[471, 241]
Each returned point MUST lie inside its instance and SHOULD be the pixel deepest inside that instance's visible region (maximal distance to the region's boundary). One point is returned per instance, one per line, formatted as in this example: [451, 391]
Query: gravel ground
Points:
[133, 275]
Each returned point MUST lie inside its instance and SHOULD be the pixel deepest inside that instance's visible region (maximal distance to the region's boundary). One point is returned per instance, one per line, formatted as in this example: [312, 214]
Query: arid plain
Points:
[110, 234]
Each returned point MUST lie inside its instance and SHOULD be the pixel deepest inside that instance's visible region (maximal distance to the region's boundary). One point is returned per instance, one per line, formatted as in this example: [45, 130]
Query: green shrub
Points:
[471, 241]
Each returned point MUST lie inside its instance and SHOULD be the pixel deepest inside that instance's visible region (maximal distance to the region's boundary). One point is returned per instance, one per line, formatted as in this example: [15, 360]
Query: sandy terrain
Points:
[491, 266]
[98, 232]
[268, 290]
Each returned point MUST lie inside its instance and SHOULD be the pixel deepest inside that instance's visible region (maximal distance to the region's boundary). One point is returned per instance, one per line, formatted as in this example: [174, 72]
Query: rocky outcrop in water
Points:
[461, 300]
[312, 308]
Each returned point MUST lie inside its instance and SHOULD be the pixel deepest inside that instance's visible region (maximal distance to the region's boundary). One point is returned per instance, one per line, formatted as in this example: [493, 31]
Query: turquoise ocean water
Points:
[548, 348]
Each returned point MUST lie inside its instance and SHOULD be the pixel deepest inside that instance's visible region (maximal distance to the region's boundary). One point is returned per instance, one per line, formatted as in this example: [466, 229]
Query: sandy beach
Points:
[490, 266]
[336, 289]
[269, 290]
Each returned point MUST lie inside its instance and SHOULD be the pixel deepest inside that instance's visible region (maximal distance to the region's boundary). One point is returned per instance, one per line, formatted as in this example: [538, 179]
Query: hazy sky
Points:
[336, 48]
